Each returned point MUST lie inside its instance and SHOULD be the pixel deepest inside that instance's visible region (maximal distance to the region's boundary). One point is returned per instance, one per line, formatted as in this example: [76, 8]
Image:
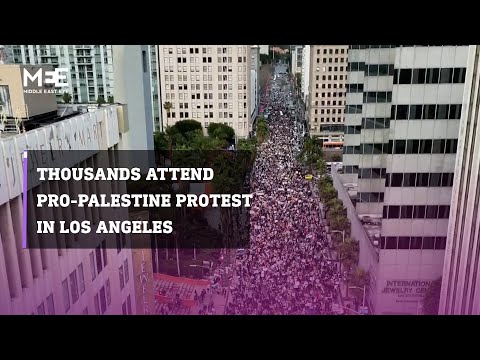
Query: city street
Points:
[287, 270]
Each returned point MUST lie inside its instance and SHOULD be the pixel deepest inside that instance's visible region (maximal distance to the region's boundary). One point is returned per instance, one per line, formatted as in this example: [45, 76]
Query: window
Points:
[447, 179]
[144, 62]
[74, 286]
[399, 147]
[451, 146]
[446, 75]
[405, 76]
[98, 259]
[438, 146]
[92, 265]
[406, 212]
[403, 242]
[428, 243]
[402, 112]
[66, 295]
[458, 75]
[129, 305]
[432, 76]
[391, 242]
[418, 76]
[440, 242]
[429, 111]
[442, 112]
[41, 309]
[50, 305]
[409, 179]
[97, 304]
[419, 211]
[432, 212]
[416, 112]
[422, 179]
[109, 295]
[425, 146]
[120, 273]
[455, 111]
[103, 300]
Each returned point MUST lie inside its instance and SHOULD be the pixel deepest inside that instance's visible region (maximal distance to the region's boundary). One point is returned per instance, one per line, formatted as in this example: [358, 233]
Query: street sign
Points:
[363, 310]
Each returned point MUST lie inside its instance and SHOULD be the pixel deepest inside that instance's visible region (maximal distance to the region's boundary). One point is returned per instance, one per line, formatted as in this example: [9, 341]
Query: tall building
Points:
[297, 59]
[254, 82]
[156, 103]
[207, 83]
[328, 76]
[98, 280]
[460, 294]
[90, 72]
[401, 129]
[306, 75]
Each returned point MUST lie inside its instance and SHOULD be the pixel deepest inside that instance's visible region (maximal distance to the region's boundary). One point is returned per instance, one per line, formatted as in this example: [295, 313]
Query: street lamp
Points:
[363, 289]
[340, 232]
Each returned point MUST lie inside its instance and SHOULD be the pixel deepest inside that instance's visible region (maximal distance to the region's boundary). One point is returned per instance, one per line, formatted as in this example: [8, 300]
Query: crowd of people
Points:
[287, 269]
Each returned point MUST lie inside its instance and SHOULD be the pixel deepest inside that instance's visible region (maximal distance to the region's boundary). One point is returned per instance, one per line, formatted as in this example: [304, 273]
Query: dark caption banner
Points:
[81, 211]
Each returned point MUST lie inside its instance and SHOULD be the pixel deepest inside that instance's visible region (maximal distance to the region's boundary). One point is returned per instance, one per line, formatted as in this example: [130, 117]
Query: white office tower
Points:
[90, 74]
[306, 74]
[401, 128]
[460, 294]
[98, 280]
[254, 82]
[207, 83]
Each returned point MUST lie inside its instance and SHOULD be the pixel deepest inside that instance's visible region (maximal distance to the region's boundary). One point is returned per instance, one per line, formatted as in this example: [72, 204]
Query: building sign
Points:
[143, 271]
[406, 290]
[42, 81]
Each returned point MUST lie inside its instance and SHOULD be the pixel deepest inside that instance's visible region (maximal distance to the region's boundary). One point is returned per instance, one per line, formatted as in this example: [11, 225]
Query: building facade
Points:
[306, 75]
[328, 77]
[297, 59]
[60, 281]
[254, 82]
[401, 133]
[90, 74]
[207, 83]
[460, 293]
[156, 103]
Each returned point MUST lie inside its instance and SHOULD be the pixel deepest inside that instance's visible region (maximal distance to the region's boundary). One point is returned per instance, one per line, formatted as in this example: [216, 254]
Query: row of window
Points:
[429, 76]
[331, 60]
[123, 273]
[370, 197]
[102, 299]
[372, 173]
[330, 51]
[424, 146]
[76, 289]
[416, 211]
[328, 120]
[401, 147]
[333, 128]
[419, 180]
[50, 306]
[376, 123]
[372, 46]
[426, 112]
[377, 97]
[354, 88]
[356, 66]
[127, 306]
[413, 242]
[349, 129]
[350, 169]
[353, 109]
[379, 70]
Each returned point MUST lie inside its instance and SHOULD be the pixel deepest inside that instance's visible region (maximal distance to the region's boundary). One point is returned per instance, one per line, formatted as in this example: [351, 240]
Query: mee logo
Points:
[44, 81]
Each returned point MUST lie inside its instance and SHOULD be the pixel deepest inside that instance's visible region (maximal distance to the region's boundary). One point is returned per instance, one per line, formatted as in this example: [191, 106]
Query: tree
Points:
[160, 141]
[347, 253]
[110, 99]
[168, 107]
[431, 301]
[336, 157]
[187, 127]
[67, 98]
[360, 279]
[321, 167]
[262, 130]
[310, 153]
[222, 132]
[100, 101]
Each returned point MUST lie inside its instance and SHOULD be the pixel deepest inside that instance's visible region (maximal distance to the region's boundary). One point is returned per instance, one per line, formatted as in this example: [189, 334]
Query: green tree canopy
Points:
[100, 100]
[66, 98]
[348, 252]
[110, 99]
[336, 157]
[222, 132]
[431, 301]
[262, 130]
